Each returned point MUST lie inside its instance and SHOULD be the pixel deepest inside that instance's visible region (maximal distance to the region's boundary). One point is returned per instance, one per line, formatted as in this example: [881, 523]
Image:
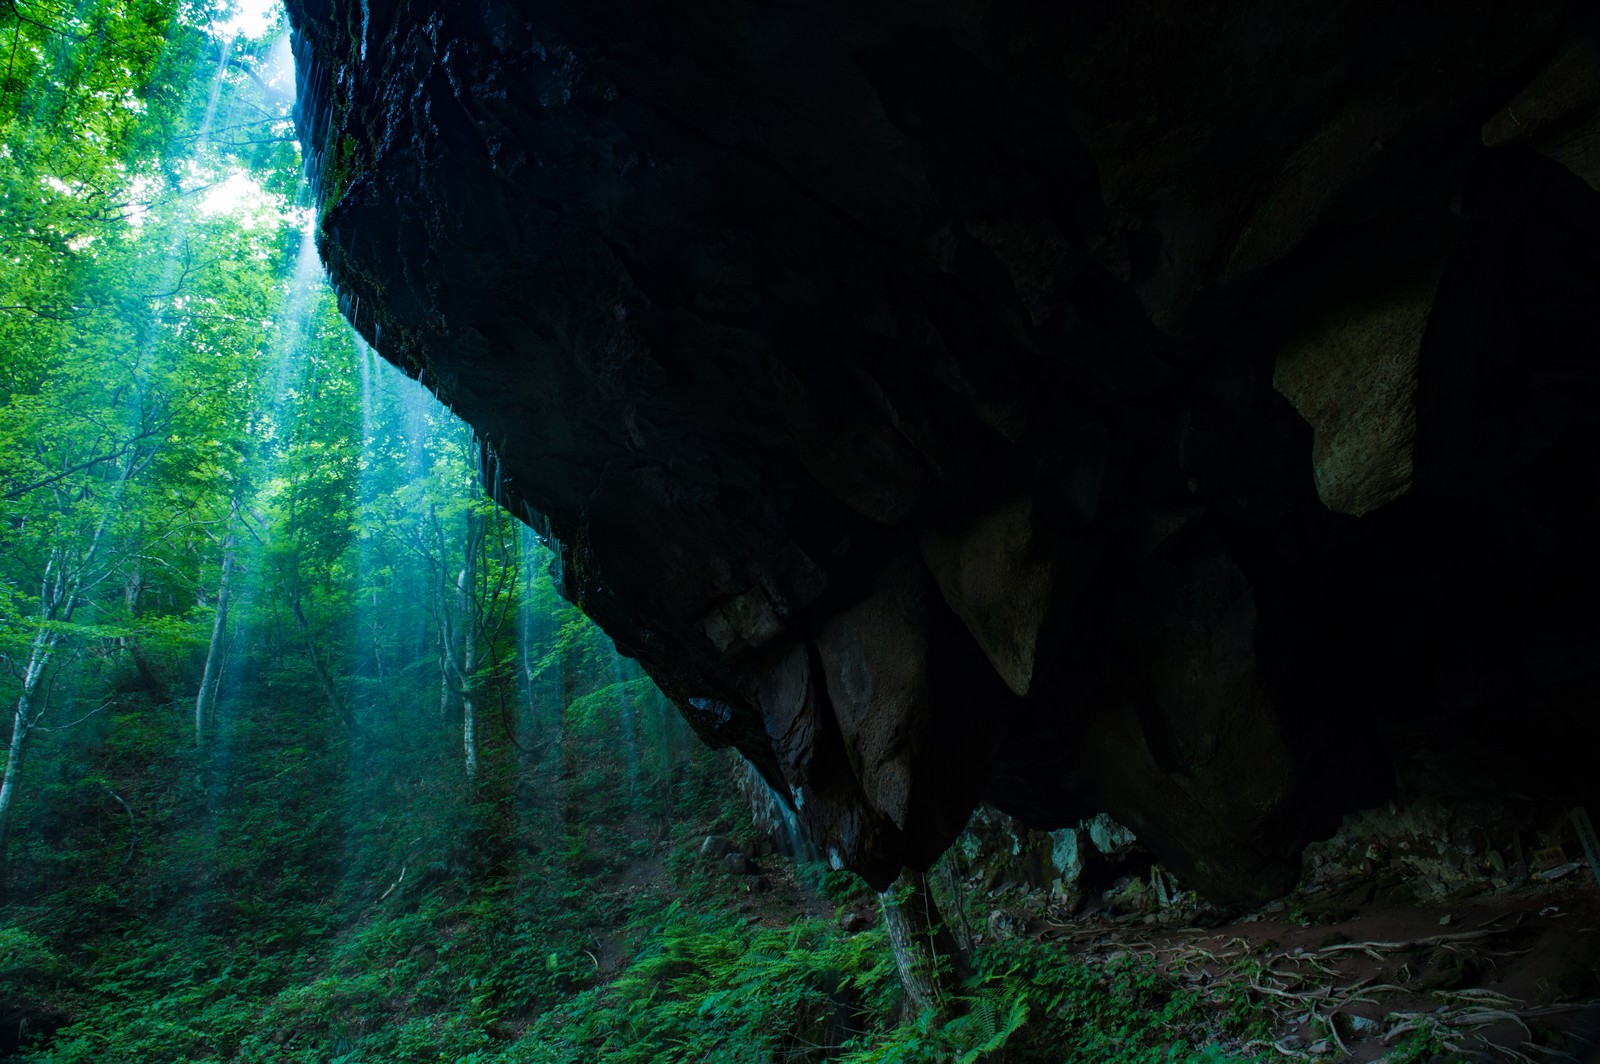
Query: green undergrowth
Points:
[595, 947]
[711, 988]
[313, 899]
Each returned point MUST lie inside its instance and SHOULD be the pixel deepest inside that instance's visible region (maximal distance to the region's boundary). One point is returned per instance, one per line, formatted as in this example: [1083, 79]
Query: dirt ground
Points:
[1506, 976]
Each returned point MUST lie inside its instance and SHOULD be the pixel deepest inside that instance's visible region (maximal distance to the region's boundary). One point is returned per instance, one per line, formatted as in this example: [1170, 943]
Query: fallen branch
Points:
[399, 880]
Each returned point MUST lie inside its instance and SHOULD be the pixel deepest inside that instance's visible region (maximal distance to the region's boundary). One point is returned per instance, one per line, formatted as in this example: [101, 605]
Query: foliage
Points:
[1126, 1011]
[710, 987]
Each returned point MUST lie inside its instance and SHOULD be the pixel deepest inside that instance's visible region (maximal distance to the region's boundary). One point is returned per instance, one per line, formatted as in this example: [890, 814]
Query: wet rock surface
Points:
[1130, 409]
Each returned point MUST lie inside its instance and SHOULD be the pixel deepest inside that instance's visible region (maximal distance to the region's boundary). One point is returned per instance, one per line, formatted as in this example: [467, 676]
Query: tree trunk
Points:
[211, 675]
[22, 723]
[8, 789]
[378, 673]
[469, 720]
[924, 952]
[58, 601]
[444, 678]
[960, 926]
[132, 590]
[461, 626]
[445, 623]
[324, 677]
[469, 738]
[471, 612]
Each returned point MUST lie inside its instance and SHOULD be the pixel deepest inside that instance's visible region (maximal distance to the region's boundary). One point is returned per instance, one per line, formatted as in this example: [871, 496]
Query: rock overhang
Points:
[1180, 415]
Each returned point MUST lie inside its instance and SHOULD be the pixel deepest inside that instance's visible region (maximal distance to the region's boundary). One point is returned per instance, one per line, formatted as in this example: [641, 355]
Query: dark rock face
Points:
[1174, 410]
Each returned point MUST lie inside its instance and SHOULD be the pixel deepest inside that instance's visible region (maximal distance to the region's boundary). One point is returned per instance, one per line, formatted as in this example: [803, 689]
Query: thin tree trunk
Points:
[22, 722]
[444, 679]
[961, 927]
[469, 718]
[469, 735]
[58, 601]
[377, 652]
[460, 631]
[926, 955]
[58, 597]
[470, 612]
[324, 677]
[444, 622]
[132, 590]
[211, 675]
[8, 788]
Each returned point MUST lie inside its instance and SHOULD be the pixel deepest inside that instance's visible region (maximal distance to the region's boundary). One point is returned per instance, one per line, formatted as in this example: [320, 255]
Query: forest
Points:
[308, 758]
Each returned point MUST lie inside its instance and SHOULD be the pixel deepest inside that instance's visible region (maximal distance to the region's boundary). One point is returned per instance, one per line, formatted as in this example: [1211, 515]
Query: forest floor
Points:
[1348, 968]
[1349, 976]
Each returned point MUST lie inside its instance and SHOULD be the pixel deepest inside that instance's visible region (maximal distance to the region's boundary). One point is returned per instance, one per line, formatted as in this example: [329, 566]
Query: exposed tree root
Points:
[1320, 987]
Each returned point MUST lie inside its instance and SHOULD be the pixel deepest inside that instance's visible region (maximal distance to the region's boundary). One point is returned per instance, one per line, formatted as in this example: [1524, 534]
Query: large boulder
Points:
[1178, 410]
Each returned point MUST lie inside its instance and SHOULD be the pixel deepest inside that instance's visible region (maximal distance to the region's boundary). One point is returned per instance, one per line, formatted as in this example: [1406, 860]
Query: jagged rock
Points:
[1108, 836]
[1002, 924]
[1066, 854]
[875, 659]
[1002, 575]
[716, 847]
[1558, 111]
[899, 384]
[1352, 375]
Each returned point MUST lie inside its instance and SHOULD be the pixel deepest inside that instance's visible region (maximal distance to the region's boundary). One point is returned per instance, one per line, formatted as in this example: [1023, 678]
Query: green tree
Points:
[134, 311]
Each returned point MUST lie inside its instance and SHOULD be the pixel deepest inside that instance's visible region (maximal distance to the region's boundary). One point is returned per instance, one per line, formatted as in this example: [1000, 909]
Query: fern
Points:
[1000, 1032]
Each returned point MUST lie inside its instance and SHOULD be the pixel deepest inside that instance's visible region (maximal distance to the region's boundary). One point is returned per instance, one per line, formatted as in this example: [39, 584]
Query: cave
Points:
[1177, 411]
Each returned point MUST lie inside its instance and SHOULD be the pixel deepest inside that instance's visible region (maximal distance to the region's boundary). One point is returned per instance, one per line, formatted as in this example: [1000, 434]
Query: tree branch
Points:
[109, 456]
